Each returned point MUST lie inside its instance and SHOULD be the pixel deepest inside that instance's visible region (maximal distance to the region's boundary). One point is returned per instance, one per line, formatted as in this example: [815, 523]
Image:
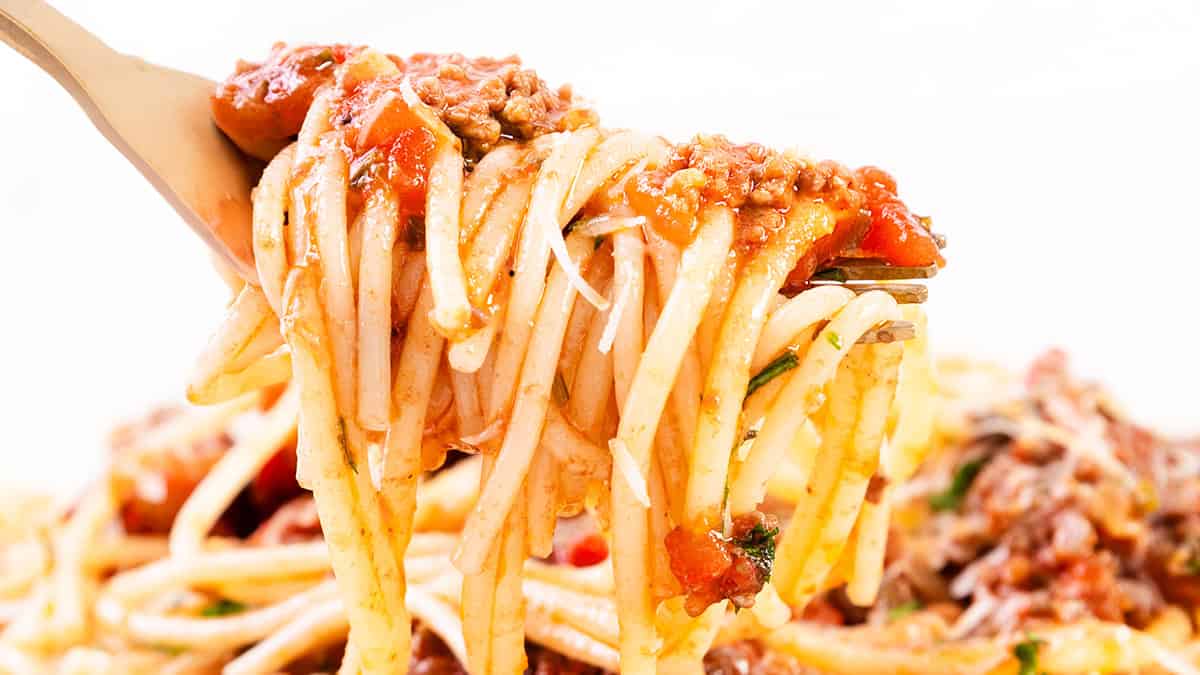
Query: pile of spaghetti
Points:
[453, 258]
[1047, 534]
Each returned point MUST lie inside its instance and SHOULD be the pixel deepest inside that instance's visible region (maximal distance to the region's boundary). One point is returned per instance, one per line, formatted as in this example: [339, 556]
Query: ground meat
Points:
[1099, 520]
[711, 567]
[486, 100]
[1173, 557]
[761, 185]
[758, 182]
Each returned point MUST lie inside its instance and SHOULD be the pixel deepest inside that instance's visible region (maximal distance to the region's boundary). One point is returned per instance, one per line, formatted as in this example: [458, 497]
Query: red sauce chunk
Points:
[387, 143]
[895, 235]
[585, 551]
[711, 567]
[262, 105]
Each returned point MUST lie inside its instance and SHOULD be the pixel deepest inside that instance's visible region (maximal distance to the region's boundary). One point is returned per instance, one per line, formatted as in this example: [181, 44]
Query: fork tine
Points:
[869, 269]
[909, 294]
[892, 331]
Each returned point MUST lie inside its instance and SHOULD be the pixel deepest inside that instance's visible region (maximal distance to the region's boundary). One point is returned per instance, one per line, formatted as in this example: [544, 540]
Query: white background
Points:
[1056, 146]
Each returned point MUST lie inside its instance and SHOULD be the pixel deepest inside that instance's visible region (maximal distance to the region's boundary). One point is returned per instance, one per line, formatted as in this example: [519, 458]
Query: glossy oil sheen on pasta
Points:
[452, 255]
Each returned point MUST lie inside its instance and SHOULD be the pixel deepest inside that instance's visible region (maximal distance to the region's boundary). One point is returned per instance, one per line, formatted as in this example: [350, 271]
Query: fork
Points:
[157, 117]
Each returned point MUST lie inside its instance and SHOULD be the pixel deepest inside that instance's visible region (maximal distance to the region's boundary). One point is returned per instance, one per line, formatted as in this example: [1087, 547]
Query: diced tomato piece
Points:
[588, 550]
[697, 558]
[390, 142]
[895, 234]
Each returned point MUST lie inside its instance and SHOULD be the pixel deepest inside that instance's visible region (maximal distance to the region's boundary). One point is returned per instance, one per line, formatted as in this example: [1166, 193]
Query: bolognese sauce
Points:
[761, 184]
[487, 102]
[262, 105]
[389, 140]
[484, 101]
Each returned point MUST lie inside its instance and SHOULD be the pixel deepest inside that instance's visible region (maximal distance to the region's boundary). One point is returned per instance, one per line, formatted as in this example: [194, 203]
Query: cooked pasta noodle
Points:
[616, 324]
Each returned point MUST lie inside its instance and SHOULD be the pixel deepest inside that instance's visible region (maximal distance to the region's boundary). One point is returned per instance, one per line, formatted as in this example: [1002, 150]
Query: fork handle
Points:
[112, 89]
[57, 45]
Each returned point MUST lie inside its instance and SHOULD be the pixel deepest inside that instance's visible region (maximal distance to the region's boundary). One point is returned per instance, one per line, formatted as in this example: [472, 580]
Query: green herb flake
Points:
[772, 370]
[1027, 653]
[834, 339]
[904, 609]
[223, 607]
[345, 448]
[599, 241]
[759, 545]
[1192, 564]
[952, 497]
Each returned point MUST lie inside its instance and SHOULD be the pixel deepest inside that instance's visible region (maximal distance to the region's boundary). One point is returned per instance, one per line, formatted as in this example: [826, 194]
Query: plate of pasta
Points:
[514, 392]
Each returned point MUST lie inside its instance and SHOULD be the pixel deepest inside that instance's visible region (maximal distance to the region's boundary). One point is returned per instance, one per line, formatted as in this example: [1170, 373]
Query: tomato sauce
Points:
[895, 234]
[262, 105]
[711, 567]
[388, 145]
[756, 182]
[589, 549]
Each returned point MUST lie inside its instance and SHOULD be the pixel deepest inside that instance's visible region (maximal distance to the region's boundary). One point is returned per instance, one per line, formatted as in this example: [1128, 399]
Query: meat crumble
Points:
[1054, 507]
[484, 101]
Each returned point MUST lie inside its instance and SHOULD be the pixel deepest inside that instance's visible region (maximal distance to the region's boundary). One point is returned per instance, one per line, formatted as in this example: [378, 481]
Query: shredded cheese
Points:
[625, 464]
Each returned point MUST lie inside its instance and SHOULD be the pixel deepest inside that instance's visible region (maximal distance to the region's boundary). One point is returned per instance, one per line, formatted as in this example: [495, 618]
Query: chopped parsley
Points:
[345, 448]
[834, 339]
[223, 607]
[759, 546]
[772, 370]
[1027, 653]
[904, 609]
[598, 243]
[952, 496]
